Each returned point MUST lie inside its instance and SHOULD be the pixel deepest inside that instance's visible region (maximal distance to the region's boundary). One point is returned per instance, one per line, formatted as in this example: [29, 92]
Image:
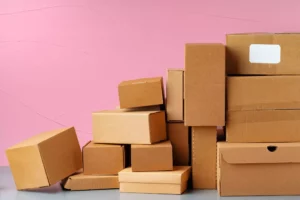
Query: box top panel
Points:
[127, 112]
[141, 81]
[91, 144]
[155, 145]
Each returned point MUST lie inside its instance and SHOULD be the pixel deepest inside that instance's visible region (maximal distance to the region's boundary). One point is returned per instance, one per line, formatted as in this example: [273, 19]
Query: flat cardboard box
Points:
[141, 92]
[246, 169]
[263, 53]
[153, 157]
[161, 182]
[178, 134]
[204, 88]
[103, 159]
[45, 159]
[129, 127]
[204, 157]
[174, 88]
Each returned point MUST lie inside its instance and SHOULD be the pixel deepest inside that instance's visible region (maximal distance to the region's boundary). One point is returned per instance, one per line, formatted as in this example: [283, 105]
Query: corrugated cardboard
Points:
[103, 159]
[45, 159]
[204, 88]
[141, 92]
[161, 182]
[179, 136]
[174, 90]
[129, 127]
[238, 53]
[258, 169]
[155, 157]
[204, 157]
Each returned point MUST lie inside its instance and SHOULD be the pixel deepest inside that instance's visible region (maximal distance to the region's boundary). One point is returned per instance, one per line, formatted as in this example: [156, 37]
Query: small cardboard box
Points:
[141, 92]
[155, 157]
[103, 159]
[129, 127]
[246, 169]
[45, 159]
[204, 88]
[161, 182]
[263, 53]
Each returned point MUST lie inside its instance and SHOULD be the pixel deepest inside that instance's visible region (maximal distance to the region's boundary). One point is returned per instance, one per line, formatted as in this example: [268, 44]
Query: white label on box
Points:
[264, 53]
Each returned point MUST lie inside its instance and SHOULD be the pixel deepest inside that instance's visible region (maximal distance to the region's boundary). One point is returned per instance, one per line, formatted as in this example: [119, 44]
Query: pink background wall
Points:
[62, 59]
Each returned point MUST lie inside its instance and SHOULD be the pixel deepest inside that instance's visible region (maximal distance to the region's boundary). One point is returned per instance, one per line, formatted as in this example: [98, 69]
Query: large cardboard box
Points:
[153, 157]
[263, 53]
[246, 169]
[45, 159]
[141, 92]
[204, 88]
[129, 127]
[161, 182]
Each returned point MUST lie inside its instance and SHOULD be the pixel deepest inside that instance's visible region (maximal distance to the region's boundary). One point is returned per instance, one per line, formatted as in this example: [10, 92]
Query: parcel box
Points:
[204, 87]
[45, 159]
[263, 53]
[258, 169]
[161, 182]
[128, 127]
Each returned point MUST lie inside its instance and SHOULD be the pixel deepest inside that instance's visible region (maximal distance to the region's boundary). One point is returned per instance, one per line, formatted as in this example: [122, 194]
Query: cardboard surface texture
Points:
[45, 159]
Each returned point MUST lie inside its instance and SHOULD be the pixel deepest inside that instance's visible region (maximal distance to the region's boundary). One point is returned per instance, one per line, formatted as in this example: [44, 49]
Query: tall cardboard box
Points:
[45, 159]
[204, 88]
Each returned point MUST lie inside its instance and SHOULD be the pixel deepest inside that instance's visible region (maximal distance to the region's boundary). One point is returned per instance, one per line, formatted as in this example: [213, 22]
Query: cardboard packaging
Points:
[155, 157]
[246, 169]
[204, 157]
[161, 182]
[204, 88]
[45, 159]
[103, 159]
[174, 88]
[263, 53]
[134, 127]
[141, 92]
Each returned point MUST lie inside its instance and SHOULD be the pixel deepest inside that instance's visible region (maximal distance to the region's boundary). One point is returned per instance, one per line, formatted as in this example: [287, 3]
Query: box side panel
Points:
[150, 188]
[158, 127]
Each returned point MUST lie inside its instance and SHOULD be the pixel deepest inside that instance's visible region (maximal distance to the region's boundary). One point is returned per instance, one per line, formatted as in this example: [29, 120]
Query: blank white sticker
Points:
[264, 53]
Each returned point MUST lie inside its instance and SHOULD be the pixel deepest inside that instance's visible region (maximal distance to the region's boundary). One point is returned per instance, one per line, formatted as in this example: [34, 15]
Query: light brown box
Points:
[263, 53]
[204, 157]
[154, 157]
[179, 136]
[45, 159]
[161, 182]
[141, 92]
[204, 88]
[174, 88]
[103, 159]
[129, 127]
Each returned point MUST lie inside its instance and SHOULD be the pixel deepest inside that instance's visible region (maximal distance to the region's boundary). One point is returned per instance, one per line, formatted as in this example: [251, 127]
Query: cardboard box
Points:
[45, 159]
[174, 90]
[179, 136]
[132, 127]
[246, 169]
[155, 157]
[161, 182]
[141, 92]
[204, 157]
[204, 88]
[263, 53]
[103, 159]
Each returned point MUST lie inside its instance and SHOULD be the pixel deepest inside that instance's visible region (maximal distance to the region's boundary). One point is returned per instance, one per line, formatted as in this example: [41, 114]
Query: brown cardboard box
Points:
[174, 90]
[103, 159]
[204, 88]
[161, 182]
[263, 53]
[155, 157]
[258, 169]
[204, 157]
[134, 127]
[179, 136]
[141, 92]
[45, 159]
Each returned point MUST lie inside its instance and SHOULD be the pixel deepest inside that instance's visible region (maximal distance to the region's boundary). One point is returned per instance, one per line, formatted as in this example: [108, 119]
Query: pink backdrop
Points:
[62, 59]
